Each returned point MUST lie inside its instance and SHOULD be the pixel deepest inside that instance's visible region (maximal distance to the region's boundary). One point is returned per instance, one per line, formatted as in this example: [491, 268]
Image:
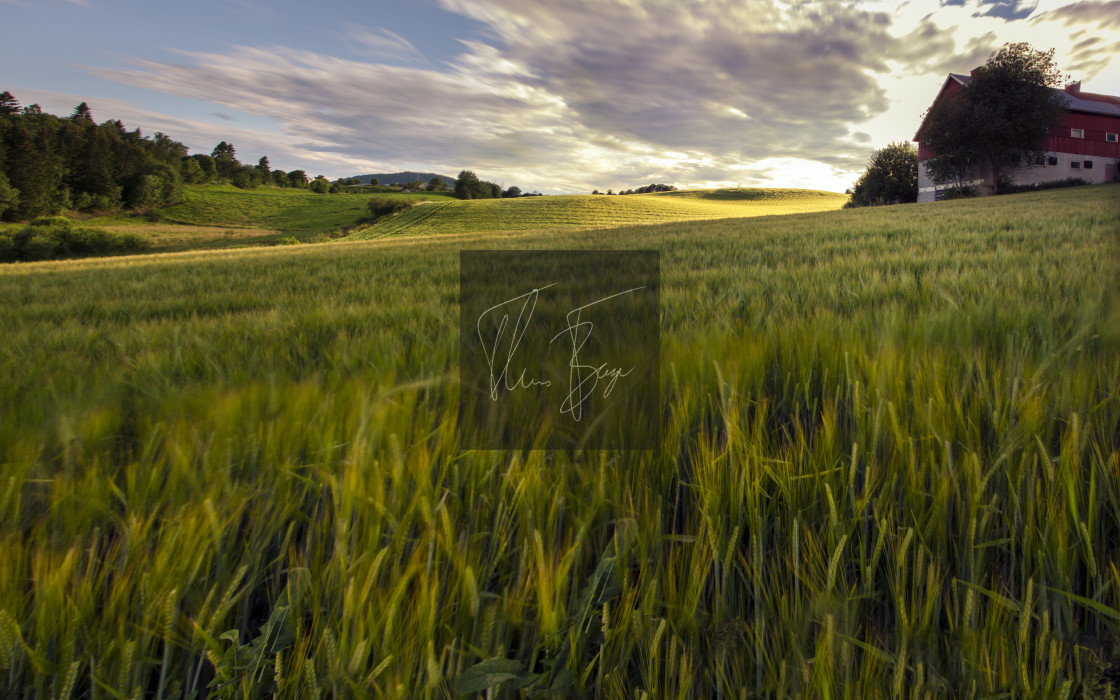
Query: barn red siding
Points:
[1095, 127]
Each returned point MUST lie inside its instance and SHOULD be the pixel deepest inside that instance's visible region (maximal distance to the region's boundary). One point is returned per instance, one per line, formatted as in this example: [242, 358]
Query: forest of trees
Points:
[49, 164]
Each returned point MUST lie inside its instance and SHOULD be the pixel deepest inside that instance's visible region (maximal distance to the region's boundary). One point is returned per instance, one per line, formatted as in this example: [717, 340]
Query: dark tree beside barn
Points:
[1000, 117]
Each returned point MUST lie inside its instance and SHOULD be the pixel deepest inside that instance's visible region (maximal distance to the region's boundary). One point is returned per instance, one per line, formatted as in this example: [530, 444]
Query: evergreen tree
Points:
[33, 169]
[82, 113]
[9, 196]
[8, 103]
[225, 159]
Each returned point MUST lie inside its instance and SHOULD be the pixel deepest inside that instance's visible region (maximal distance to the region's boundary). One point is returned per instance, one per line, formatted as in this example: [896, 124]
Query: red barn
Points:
[1085, 145]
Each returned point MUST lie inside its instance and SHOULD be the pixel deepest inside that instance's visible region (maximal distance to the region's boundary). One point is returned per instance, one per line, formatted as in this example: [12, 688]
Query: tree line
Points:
[469, 186]
[49, 164]
[658, 187]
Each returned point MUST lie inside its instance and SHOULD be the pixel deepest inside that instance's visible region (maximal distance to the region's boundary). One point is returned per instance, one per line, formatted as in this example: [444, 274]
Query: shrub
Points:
[56, 237]
[7, 248]
[1009, 188]
[966, 192]
[386, 206]
[288, 240]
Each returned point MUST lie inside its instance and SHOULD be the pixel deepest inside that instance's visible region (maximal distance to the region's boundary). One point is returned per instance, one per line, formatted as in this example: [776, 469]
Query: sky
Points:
[557, 96]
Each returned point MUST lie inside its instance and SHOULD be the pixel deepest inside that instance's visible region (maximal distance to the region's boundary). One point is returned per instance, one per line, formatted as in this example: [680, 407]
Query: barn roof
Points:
[1076, 101]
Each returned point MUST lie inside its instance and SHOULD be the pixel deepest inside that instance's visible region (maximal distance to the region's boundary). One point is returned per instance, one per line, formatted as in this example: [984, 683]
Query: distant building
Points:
[1085, 145]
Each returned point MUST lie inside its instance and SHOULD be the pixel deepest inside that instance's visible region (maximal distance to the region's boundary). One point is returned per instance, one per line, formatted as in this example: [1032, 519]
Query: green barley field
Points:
[889, 468]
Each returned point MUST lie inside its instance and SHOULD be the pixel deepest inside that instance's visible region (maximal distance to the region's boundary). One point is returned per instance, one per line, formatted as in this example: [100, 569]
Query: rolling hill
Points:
[406, 176]
[596, 211]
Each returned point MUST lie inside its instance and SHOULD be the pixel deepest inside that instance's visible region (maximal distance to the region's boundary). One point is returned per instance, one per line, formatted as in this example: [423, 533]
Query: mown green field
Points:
[889, 467]
[452, 216]
[223, 216]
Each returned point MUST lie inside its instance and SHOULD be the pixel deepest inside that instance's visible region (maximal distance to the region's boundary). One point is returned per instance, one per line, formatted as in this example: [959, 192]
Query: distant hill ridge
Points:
[408, 176]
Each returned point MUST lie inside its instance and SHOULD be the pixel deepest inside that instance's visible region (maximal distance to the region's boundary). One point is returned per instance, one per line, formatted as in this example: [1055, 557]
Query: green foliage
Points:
[225, 159]
[320, 185]
[290, 211]
[8, 103]
[891, 177]
[9, 196]
[245, 671]
[56, 238]
[1010, 188]
[965, 192]
[1002, 115]
[469, 186]
[57, 164]
[298, 179]
[380, 207]
[652, 187]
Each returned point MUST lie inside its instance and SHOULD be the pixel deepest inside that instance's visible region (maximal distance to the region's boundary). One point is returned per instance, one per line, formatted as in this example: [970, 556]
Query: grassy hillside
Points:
[597, 211]
[889, 467]
[223, 216]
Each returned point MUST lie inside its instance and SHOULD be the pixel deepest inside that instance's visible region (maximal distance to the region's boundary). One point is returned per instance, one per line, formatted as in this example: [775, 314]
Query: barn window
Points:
[1076, 165]
[1053, 160]
[1110, 137]
[1088, 165]
[1077, 133]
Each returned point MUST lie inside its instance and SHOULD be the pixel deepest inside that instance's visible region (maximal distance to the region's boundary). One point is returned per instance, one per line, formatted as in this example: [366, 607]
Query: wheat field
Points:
[889, 468]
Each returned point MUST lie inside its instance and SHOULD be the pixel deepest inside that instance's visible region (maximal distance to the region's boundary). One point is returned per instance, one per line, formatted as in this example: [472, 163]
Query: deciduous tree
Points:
[891, 177]
[1002, 115]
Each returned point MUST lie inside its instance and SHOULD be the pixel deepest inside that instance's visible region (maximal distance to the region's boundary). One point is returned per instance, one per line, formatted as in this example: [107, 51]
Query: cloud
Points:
[1103, 15]
[382, 43]
[573, 94]
[1090, 56]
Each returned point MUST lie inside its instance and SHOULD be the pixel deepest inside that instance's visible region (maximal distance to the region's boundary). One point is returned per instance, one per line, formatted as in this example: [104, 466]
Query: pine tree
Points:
[82, 113]
[8, 103]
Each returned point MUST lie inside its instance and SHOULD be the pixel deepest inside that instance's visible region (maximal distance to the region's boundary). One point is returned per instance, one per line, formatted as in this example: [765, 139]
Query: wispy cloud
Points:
[1102, 14]
[382, 43]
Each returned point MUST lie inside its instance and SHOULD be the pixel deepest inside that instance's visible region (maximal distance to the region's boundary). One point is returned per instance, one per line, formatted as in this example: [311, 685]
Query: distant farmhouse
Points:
[1085, 145]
